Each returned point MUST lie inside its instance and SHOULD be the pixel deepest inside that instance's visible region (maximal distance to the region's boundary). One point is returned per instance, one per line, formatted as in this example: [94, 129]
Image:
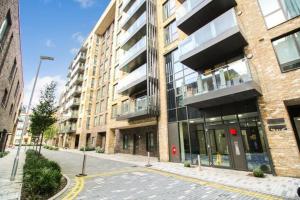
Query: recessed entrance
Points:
[228, 136]
[294, 113]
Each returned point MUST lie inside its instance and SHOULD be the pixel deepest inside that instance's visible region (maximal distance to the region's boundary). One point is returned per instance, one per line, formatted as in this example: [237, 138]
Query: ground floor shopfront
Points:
[228, 136]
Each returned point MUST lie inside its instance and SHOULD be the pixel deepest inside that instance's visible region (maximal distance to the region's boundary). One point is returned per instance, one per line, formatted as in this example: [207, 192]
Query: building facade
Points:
[186, 78]
[11, 72]
[26, 137]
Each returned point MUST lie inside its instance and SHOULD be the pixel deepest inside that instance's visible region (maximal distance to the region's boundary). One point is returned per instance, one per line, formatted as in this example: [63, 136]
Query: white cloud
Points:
[78, 37]
[74, 51]
[50, 43]
[85, 3]
[41, 83]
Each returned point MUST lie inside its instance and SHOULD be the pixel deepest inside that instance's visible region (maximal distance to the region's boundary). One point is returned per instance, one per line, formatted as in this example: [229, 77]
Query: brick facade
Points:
[11, 72]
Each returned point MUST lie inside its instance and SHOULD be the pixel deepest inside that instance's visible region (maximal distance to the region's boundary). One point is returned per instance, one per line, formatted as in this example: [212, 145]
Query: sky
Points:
[54, 28]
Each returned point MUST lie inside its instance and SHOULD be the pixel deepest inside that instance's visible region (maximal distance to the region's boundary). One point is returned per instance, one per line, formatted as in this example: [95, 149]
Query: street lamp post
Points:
[16, 161]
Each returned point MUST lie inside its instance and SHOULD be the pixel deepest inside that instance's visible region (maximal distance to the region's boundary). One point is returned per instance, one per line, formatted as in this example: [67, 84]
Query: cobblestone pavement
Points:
[113, 180]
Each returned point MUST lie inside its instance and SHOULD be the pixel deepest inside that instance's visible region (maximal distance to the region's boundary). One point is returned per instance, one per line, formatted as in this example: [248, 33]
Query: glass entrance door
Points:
[218, 148]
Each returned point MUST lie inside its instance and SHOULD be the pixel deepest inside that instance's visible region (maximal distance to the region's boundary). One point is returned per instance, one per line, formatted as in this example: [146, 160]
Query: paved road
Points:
[111, 180]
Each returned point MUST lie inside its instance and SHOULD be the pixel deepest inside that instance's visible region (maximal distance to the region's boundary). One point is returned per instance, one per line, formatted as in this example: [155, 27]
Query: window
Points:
[102, 106]
[17, 89]
[125, 141]
[169, 9]
[4, 28]
[101, 123]
[114, 111]
[4, 98]
[116, 73]
[94, 70]
[278, 11]
[12, 70]
[125, 106]
[88, 122]
[96, 121]
[97, 108]
[288, 51]
[171, 33]
[11, 109]
[115, 94]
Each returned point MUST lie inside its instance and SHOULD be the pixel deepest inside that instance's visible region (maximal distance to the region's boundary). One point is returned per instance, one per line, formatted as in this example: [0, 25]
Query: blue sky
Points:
[54, 28]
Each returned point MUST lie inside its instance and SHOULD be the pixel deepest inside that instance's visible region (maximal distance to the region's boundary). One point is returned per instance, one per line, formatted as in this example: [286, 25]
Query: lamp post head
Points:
[46, 58]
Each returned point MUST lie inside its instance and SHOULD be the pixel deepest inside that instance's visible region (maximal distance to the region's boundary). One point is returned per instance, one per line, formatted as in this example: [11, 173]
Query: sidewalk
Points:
[279, 186]
[11, 190]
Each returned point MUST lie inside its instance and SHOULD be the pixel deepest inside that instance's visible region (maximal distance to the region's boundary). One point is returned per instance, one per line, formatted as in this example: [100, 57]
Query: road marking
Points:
[80, 183]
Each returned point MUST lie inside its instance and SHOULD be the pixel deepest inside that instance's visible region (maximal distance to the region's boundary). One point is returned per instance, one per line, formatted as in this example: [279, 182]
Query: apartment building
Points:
[20, 125]
[219, 79]
[11, 74]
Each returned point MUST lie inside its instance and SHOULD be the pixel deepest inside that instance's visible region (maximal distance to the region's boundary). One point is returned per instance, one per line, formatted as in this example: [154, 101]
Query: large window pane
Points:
[288, 51]
[278, 11]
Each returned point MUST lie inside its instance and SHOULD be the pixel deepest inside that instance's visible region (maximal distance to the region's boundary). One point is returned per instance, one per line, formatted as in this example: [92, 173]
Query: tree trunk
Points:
[41, 143]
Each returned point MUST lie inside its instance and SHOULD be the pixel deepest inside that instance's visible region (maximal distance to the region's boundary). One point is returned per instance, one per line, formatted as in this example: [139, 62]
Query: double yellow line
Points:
[79, 183]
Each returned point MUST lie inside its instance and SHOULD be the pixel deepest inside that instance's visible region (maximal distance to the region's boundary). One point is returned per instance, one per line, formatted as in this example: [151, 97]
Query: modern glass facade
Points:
[228, 136]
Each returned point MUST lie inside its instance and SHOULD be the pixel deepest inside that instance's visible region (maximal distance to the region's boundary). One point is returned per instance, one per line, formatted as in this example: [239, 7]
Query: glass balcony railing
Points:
[208, 32]
[131, 78]
[137, 25]
[134, 7]
[78, 67]
[70, 127]
[135, 105]
[133, 50]
[73, 102]
[74, 90]
[232, 74]
[76, 79]
[187, 7]
[72, 114]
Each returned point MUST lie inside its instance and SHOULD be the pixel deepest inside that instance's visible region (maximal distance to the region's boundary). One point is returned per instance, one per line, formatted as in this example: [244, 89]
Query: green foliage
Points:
[51, 147]
[2, 154]
[100, 150]
[41, 177]
[187, 164]
[50, 132]
[42, 116]
[257, 172]
[265, 168]
[87, 149]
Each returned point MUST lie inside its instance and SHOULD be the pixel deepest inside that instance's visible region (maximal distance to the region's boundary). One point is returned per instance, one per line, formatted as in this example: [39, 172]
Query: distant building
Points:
[11, 72]
[20, 125]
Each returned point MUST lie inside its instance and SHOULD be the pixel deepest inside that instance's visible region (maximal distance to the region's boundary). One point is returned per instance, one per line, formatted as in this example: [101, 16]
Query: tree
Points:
[51, 132]
[43, 114]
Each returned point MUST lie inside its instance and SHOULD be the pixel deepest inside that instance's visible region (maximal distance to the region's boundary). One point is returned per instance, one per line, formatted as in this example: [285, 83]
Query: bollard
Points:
[148, 162]
[83, 165]
[199, 163]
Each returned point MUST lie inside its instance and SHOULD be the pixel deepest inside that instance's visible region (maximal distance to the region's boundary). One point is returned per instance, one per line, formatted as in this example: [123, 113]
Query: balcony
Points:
[134, 12]
[78, 79]
[193, 14]
[133, 82]
[71, 128]
[81, 56]
[134, 33]
[134, 57]
[75, 91]
[213, 43]
[71, 115]
[231, 83]
[138, 108]
[74, 102]
[127, 4]
[78, 68]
